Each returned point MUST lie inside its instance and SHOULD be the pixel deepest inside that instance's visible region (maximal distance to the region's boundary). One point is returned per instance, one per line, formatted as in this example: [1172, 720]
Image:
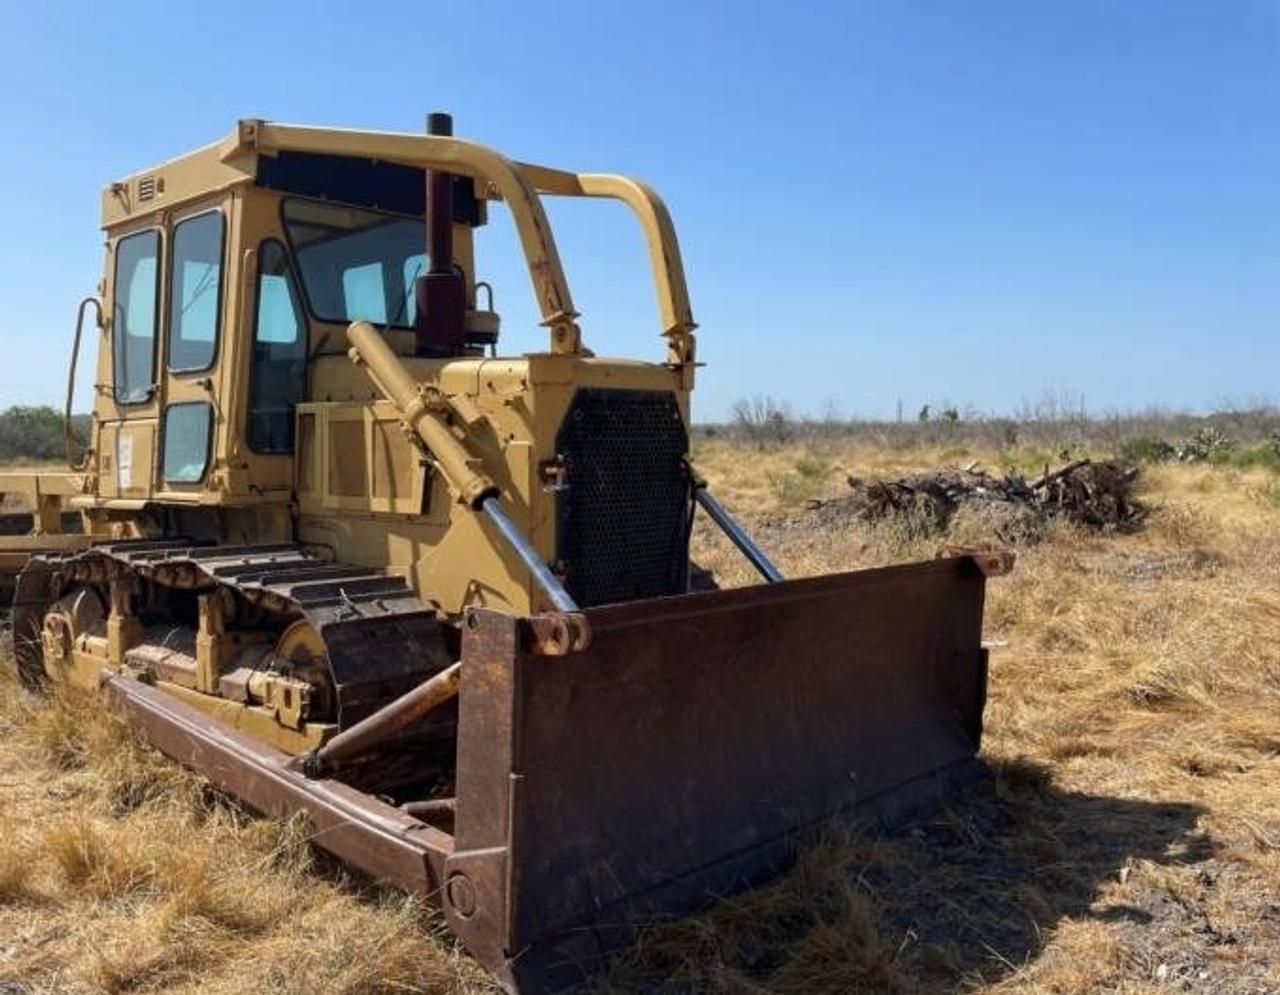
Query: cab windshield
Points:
[356, 264]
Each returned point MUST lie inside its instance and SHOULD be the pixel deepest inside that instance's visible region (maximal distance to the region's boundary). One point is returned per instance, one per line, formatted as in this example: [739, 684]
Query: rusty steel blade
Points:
[676, 757]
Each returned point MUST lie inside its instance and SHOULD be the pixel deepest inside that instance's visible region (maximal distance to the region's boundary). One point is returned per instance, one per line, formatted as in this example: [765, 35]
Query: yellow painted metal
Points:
[124, 629]
[219, 177]
[214, 648]
[416, 527]
[258, 721]
[173, 184]
[44, 494]
[660, 239]
[68, 624]
[375, 482]
[88, 659]
[286, 698]
[25, 546]
[425, 410]
[33, 484]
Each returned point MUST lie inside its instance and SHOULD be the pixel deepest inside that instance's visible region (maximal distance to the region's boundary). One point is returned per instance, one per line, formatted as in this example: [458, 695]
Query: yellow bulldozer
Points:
[331, 548]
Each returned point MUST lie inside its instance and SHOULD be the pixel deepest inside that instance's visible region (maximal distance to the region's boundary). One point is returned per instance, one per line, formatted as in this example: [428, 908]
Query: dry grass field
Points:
[1128, 841]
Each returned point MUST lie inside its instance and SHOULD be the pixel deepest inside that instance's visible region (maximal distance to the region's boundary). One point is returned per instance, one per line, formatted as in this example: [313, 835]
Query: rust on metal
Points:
[603, 749]
[676, 757]
[992, 562]
[379, 640]
[376, 837]
[440, 295]
[386, 721]
[431, 807]
[558, 633]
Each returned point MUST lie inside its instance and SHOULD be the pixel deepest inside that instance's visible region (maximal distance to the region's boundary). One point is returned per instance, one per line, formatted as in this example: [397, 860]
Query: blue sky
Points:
[970, 201]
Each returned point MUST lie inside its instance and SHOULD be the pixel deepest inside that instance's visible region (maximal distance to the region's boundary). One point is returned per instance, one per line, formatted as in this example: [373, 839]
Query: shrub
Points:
[1145, 449]
[813, 468]
[1209, 444]
[1264, 457]
[794, 488]
[763, 421]
[36, 433]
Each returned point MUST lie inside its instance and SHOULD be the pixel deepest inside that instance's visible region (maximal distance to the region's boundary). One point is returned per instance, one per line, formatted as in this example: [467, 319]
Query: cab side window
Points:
[278, 365]
[135, 300]
[195, 292]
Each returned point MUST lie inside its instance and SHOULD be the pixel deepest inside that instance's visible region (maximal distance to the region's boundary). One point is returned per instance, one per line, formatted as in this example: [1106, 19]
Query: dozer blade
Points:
[673, 760]
[676, 758]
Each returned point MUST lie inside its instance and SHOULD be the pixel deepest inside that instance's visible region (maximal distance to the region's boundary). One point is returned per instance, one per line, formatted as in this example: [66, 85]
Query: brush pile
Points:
[1098, 495]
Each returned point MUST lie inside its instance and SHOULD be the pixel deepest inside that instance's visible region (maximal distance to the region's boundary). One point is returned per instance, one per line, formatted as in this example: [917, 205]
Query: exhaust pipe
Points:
[440, 295]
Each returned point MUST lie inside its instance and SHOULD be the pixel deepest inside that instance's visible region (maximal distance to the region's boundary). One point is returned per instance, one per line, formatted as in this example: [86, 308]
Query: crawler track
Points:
[380, 638]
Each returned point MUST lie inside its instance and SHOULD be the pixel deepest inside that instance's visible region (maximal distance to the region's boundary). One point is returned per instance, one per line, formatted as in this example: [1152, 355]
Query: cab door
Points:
[128, 402]
[194, 300]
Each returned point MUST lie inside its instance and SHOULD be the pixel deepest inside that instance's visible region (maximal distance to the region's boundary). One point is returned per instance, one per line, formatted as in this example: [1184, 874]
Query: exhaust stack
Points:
[440, 294]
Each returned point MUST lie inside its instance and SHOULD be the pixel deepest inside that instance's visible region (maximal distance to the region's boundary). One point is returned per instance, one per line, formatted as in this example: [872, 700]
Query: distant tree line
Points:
[1237, 435]
[35, 433]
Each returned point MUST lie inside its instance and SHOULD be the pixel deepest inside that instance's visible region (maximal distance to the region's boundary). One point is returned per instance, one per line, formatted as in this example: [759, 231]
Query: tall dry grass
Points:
[1129, 840]
[120, 872]
[1131, 837]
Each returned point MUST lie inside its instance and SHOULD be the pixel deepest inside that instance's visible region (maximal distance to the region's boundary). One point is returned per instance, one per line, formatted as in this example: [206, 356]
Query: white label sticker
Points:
[124, 460]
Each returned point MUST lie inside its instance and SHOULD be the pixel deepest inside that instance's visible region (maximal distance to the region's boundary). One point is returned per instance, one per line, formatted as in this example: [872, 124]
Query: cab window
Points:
[413, 268]
[364, 293]
[135, 297]
[353, 261]
[187, 429]
[195, 292]
[278, 362]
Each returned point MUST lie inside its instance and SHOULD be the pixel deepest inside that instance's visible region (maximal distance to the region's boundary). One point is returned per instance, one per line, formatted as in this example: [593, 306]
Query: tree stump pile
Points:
[1097, 495]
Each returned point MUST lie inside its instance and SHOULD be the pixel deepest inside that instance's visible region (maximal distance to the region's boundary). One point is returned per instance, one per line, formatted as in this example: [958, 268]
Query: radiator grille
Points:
[623, 520]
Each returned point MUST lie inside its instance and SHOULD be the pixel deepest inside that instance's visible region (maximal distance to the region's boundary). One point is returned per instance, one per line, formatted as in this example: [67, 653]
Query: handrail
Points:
[451, 155]
[67, 437]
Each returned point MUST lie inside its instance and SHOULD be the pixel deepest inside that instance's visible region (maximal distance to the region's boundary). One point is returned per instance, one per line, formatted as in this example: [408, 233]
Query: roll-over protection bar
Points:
[519, 186]
[660, 239]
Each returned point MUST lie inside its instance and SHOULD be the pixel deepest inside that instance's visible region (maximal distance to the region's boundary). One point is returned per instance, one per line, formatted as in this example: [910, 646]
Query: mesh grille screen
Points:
[623, 522]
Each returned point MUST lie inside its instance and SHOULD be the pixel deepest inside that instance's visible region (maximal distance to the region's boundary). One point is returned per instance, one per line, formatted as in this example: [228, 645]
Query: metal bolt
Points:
[461, 894]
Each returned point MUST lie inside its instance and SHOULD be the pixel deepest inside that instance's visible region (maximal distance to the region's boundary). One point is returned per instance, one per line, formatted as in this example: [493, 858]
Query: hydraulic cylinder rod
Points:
[738, 535]
[548, 582]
